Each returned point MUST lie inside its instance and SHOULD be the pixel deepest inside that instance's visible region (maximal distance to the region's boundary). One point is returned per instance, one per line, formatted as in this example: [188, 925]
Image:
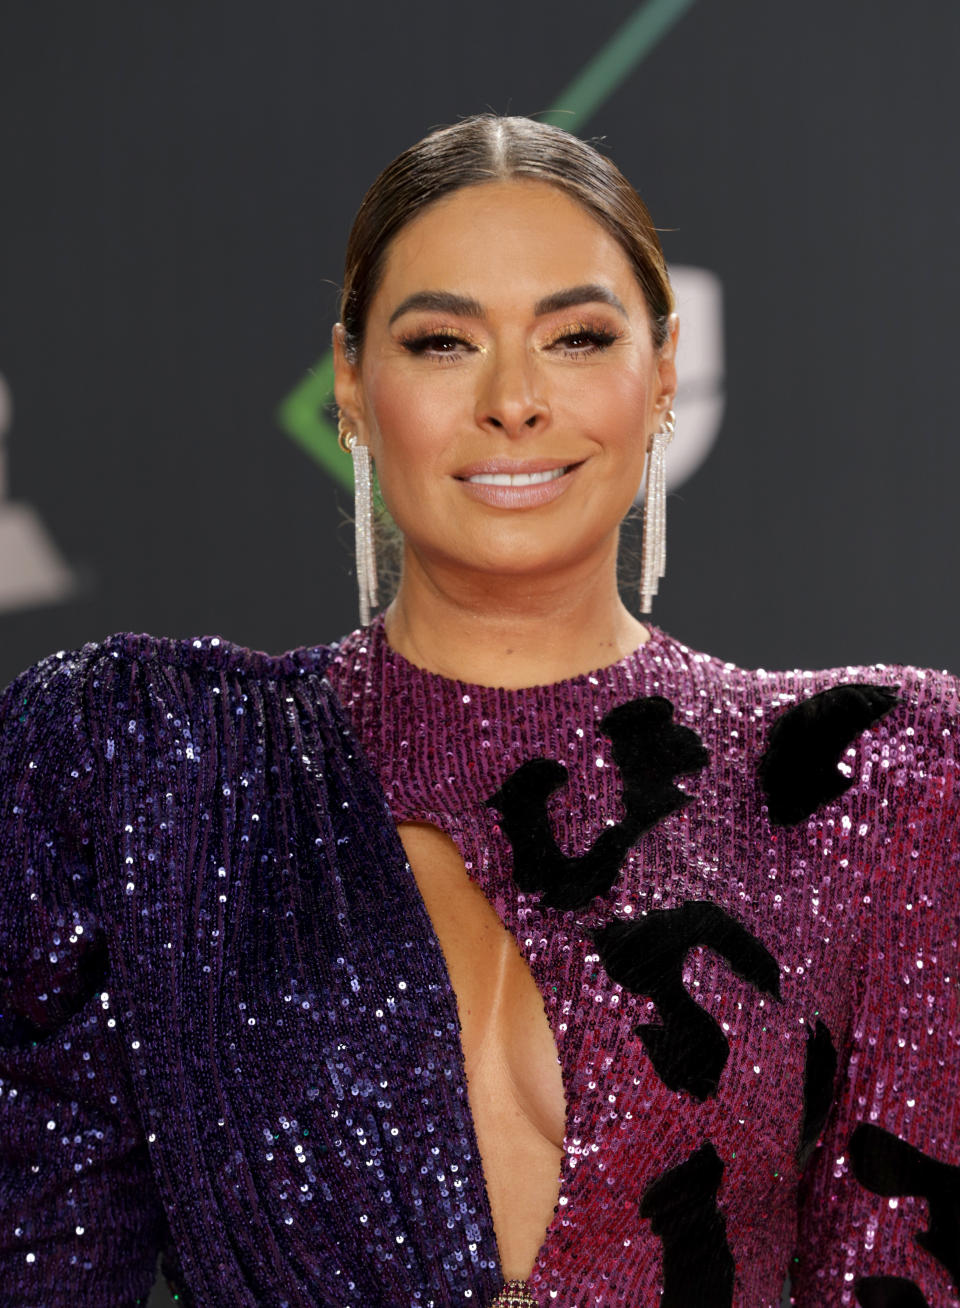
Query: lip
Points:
[518, 497]
[511, 466]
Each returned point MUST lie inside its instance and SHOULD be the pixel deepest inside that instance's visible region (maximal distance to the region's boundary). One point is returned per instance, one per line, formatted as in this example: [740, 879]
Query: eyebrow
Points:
[467, 307]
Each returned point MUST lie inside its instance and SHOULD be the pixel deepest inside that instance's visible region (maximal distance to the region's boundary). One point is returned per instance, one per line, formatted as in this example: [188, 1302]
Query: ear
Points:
[347, 389]
[667, 367]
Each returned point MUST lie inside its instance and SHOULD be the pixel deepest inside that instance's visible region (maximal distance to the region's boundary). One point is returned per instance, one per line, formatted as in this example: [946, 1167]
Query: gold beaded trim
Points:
[514, 1295]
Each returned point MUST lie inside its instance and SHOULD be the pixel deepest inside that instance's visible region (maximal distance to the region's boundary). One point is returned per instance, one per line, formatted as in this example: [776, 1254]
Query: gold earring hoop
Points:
[345, 439]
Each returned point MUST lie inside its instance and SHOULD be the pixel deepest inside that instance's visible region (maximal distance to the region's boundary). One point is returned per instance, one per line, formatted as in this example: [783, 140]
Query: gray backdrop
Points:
[178, 181]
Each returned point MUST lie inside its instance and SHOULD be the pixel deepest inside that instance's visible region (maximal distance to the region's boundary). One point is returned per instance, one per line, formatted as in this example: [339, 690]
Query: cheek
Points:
[616, 414]
[410, 426]
[409, 417]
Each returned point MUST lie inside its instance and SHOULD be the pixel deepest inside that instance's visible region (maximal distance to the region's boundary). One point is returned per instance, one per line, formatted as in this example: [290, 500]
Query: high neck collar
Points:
[372, 644]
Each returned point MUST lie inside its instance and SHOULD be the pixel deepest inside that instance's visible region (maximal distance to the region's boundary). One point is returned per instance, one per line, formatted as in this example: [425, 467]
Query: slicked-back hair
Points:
[490, 148]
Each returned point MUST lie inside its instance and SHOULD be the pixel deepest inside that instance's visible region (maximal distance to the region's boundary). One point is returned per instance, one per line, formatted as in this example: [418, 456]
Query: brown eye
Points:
[435, 344]
[579, 341]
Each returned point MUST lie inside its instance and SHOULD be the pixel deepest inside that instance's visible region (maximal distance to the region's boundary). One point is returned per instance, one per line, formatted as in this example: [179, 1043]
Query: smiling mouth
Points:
[518, 478]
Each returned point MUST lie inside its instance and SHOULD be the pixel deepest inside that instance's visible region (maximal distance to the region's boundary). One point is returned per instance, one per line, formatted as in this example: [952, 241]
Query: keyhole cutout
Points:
[514, 1082]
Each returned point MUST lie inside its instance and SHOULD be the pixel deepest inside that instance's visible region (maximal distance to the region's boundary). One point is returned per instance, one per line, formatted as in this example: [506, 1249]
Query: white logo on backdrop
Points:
[699, 403]
[32, 571]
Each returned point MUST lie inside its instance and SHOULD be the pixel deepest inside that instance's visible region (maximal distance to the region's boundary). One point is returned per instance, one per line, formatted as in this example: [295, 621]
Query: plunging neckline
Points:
[506, 1041]
[433, 688]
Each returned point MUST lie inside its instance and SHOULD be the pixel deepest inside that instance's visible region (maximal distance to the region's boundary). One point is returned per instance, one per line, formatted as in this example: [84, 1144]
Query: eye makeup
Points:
[430, 342]
[598, 336]
[425, 343]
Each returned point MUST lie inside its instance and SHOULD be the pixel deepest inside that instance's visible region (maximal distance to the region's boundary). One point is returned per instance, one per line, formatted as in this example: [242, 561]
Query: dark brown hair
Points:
[486, 148]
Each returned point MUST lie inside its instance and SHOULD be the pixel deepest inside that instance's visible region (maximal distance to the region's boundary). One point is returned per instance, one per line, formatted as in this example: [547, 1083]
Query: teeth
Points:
[516, 478]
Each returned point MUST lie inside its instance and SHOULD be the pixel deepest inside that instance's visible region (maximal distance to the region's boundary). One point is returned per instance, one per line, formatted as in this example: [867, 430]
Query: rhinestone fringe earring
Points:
[653, 551]
[366, 562]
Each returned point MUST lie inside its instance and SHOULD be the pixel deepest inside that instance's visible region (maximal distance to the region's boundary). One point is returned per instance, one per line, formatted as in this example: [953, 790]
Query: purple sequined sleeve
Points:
[80, 1219]
[877, 1182]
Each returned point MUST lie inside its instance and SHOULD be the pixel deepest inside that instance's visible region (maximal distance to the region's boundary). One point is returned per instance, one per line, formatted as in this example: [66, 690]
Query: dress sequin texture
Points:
[227, 1031]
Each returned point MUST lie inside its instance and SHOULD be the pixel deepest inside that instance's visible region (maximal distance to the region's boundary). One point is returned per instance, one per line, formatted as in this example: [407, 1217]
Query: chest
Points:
[509, 1051]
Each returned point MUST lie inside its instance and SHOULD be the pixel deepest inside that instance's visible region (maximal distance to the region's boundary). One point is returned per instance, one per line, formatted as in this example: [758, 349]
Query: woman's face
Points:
[508, 383]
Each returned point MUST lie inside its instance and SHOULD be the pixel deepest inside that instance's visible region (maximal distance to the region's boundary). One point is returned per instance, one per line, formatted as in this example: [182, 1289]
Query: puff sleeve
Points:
[880, 1218]
[81, 1222]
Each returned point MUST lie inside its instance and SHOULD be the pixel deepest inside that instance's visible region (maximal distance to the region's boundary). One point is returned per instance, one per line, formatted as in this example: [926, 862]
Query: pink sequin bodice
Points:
[759, 1005]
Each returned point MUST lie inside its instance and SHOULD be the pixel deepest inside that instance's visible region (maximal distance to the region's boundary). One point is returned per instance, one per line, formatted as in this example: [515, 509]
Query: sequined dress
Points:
[227, 1033]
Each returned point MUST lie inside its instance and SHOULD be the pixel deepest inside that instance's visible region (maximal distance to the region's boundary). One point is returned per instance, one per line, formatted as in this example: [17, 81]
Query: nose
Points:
[511, 399]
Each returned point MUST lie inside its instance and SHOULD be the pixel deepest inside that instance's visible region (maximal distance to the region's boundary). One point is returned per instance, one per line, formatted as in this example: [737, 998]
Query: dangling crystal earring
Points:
[653, 551]
[362, 520]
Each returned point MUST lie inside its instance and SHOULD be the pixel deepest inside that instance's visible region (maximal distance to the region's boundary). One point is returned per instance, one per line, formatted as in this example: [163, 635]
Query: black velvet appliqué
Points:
[681, 1206]
[820, 1070]
[649, 750]
[887, 1165]
[687, 1048]
[889, 1292]
[798, 771]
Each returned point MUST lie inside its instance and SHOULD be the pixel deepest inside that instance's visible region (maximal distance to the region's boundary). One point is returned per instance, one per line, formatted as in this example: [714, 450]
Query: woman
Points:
[507, 951]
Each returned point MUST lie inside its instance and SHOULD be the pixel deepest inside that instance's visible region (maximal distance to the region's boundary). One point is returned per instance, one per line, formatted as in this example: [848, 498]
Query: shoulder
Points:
[882, 729]
[923, 697]
[62, 708]
[43, 720]
[77, 674]
[215, 654]
[912, 702]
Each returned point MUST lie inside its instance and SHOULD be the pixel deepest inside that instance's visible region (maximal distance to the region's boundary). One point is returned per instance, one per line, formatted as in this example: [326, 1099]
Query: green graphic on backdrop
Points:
[303, 414]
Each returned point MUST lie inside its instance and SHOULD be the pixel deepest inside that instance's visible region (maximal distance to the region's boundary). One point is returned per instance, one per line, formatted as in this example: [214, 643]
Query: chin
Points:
[518, 560]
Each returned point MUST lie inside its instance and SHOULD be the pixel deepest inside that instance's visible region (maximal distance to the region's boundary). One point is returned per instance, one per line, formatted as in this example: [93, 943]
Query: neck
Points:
[511, 632]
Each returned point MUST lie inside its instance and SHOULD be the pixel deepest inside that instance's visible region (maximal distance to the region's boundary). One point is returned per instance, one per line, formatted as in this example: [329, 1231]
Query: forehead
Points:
[497, 240]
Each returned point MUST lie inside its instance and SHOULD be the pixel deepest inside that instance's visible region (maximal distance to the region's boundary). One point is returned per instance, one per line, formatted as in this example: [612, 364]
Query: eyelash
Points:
[600, 338]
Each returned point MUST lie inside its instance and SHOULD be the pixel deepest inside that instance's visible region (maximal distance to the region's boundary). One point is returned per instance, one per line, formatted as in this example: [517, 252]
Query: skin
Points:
[523, 595]
[505, 595]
